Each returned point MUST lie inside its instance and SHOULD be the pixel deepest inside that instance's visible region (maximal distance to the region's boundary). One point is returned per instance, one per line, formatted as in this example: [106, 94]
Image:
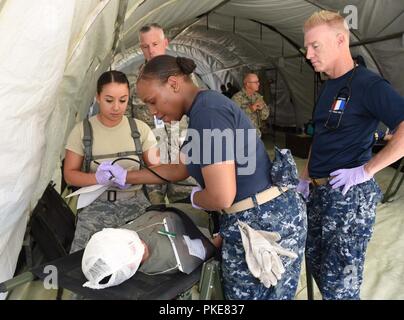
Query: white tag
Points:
[195, 248]
[87, 195]
[158, 123]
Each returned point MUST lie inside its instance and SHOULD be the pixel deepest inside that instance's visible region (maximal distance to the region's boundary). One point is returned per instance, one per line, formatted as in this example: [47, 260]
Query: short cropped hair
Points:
[330, 18]
[149, 26]
[247, 75]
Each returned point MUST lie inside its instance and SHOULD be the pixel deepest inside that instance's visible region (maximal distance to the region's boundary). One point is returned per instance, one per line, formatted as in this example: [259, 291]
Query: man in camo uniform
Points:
[169, 136]
[252, 102]
[343, 195]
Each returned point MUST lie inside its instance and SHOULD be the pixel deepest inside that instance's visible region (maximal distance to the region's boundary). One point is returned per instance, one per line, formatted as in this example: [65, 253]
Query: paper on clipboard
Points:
[195, 247]
[87, 195]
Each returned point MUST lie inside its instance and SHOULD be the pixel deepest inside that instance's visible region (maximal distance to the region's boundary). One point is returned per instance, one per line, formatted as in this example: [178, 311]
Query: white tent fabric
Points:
[31, 70]
[52, 52]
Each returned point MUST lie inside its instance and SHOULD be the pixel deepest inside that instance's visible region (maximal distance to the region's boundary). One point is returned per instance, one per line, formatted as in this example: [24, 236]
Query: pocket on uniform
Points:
[363, 218]
[377, 192]
[284, 170]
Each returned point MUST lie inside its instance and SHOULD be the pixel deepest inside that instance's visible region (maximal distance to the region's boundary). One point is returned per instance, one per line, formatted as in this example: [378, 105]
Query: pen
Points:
[112, 176]
[166, 233]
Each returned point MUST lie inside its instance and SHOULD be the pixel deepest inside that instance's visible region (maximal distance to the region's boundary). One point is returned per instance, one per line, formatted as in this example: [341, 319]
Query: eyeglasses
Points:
[339, 105]
[253, 82]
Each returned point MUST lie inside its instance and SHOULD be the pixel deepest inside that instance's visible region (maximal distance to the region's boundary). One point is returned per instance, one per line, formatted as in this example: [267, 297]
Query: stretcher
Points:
[204, 281]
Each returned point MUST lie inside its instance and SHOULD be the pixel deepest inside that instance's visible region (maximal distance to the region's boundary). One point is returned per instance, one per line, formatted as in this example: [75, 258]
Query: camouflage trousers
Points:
[177, 192]
[339, 229]
[105, 214]
[285, 214]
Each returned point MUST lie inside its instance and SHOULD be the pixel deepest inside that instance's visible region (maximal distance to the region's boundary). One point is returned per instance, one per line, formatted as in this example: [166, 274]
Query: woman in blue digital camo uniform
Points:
[226, 177]
[342, 202]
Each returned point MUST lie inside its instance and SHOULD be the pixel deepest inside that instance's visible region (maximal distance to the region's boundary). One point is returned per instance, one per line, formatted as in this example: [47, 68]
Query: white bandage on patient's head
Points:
[113, 253]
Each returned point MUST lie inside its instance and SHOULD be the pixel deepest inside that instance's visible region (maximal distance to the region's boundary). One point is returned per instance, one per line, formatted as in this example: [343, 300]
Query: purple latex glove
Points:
[119, 175]
[303, 187]
[103, 175]
[349, 178]
[195, 189]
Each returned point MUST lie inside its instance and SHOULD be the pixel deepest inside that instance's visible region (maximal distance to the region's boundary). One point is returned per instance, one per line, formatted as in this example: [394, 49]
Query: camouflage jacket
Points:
[137, 108]
[244, 101]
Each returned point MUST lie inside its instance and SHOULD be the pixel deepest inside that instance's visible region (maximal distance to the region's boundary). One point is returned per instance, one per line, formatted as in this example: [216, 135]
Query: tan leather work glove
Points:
[263, 253]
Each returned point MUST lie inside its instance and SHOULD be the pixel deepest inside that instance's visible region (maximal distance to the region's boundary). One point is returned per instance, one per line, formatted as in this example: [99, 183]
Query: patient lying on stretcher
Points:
[156, 242]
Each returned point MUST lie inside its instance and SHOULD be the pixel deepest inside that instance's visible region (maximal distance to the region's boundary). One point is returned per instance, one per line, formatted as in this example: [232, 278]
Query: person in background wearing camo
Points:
[111, 136]
[169, 135]
[251, 102]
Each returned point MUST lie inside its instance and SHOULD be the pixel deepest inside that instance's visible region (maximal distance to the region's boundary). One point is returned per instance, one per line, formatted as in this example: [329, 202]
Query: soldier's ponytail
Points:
[164, 66]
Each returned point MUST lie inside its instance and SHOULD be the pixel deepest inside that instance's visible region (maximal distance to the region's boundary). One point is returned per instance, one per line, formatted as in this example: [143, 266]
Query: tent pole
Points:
[275, 103]
[377, 39]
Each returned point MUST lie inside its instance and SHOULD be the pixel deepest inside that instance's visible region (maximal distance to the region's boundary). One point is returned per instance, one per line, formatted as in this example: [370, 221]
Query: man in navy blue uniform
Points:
[343, 194]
